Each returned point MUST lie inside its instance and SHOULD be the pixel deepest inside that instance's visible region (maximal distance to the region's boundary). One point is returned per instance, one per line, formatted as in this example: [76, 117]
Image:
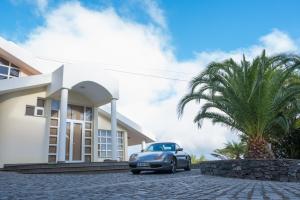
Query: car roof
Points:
[163, 143]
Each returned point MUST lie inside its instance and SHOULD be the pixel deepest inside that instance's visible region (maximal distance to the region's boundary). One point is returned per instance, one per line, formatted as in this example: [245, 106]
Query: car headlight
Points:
[133, 157]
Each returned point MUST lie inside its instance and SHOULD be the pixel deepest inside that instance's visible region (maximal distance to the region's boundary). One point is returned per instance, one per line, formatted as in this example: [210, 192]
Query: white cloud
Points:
[75, 33]
[155, 12]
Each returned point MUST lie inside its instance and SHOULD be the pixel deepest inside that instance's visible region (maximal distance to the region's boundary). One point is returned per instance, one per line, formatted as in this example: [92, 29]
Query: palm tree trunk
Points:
[258, 148]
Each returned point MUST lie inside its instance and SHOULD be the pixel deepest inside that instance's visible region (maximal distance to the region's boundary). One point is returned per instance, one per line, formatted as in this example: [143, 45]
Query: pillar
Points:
[63, 125]
[114, 129]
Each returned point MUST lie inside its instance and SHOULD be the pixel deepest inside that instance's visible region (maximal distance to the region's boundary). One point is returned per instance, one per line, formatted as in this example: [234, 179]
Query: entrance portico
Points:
[71, 135]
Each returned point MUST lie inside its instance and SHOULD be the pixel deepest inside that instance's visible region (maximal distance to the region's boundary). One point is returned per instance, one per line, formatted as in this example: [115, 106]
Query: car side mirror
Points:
[143, 150]
[179, 149]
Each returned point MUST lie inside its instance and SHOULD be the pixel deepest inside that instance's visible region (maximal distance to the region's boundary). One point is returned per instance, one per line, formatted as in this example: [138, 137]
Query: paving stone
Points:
[182, 185]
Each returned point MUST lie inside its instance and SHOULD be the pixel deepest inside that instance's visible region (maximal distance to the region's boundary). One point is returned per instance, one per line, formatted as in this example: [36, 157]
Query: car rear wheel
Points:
[173, 166]
[135, 171]
[188, 166]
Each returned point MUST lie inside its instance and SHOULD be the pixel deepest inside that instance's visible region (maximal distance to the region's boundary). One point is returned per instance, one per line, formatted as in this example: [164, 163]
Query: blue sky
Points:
[193, 25]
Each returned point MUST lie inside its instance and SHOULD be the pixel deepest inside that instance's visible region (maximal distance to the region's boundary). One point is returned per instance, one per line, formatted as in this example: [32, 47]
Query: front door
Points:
[74, 140]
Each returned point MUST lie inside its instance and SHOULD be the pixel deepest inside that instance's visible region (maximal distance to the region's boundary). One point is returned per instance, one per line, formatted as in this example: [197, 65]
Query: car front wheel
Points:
[188, 166]
[173, 166]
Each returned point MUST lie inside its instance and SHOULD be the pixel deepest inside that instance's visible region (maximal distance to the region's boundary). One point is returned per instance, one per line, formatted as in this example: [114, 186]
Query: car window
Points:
[161, 147]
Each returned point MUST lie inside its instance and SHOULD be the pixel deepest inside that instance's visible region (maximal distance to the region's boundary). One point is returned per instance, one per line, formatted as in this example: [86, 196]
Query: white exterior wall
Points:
[105, 124]
[23, 139]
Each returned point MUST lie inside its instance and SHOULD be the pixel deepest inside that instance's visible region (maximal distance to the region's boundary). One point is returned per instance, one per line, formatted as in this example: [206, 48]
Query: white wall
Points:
[23, 139]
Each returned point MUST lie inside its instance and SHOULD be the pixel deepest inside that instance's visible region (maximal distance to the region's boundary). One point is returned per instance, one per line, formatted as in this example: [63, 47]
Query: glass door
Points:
[74, 141]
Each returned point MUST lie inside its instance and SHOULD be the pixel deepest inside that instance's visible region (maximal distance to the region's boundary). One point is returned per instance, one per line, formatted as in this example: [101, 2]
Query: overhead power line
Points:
[123, 71]
[148, 75]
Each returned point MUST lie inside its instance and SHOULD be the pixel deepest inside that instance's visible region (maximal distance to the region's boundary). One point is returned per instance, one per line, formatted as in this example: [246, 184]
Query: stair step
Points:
[67, 167]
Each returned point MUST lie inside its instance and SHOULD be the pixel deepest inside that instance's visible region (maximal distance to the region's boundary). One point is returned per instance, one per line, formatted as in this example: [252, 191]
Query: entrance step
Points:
[42, 168]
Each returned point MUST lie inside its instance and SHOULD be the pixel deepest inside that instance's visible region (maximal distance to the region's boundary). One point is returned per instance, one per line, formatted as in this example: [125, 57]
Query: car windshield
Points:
[161, 147]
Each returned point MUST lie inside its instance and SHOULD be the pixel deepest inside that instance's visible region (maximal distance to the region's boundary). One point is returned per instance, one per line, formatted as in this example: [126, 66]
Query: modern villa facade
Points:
[56, 117]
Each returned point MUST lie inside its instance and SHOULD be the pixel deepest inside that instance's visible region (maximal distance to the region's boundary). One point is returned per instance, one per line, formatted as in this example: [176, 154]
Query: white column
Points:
[114, 128]
[63, 125]
[95, 135]
[143, 145]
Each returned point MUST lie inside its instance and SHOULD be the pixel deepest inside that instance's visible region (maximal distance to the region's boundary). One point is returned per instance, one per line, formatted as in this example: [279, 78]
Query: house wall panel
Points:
[23, 139]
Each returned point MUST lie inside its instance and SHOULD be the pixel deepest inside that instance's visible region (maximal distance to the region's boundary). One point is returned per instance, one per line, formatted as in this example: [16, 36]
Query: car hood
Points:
[144, 156]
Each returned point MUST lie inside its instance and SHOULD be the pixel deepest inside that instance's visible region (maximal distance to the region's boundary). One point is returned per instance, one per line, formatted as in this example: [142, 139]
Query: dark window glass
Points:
[3, 61]
[54, 108]
[51, 158]
[55, 105]
[53, 131]
[40, 102]
[54, 122]
[88, 134]
[88, 114]
[14, 72]
[77, 112]
[39, 112]
[88, 125]
[54, 113]
[88, 142]
[3, 77]
[3, 70]
[87, 158]
[53, 140]
[88, 150]
[29, 110]
[52, 149]
[13, 65]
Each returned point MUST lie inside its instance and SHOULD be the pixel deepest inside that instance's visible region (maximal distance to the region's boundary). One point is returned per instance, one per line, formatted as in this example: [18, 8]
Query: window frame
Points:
[107, 150]
[29, 106]
[9, 66]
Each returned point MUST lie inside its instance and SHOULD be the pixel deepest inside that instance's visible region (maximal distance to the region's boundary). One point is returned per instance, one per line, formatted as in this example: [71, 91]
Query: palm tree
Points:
[232, 150]
[249, 97]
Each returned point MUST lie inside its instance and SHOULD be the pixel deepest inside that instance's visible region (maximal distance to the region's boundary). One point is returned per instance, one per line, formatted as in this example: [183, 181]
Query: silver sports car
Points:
[167, 156]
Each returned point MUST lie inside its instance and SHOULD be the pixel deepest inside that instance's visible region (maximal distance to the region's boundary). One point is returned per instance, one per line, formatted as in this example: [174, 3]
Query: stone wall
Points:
[277, 170]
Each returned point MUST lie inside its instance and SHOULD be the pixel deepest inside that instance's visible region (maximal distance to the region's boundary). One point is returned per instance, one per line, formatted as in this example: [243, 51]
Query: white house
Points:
[49, 118]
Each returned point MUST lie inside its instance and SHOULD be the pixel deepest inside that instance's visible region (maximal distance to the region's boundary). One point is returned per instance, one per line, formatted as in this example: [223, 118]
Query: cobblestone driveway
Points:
[182, 185]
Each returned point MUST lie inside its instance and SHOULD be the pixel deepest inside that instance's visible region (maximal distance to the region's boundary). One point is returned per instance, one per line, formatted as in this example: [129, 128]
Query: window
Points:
[37, 110]
[8, 70]
[75, 112]
[29, 110]
[40, 102]
[3, 77]
[3, 70]
[54, 108]
[88, 114]
[14, 72]
[105, 144]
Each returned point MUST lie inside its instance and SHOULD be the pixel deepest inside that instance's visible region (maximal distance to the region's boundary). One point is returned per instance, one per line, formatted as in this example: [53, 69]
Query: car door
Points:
[181, 157]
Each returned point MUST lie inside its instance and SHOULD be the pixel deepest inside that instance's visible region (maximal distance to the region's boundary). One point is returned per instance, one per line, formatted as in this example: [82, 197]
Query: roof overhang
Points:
[18, 56]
